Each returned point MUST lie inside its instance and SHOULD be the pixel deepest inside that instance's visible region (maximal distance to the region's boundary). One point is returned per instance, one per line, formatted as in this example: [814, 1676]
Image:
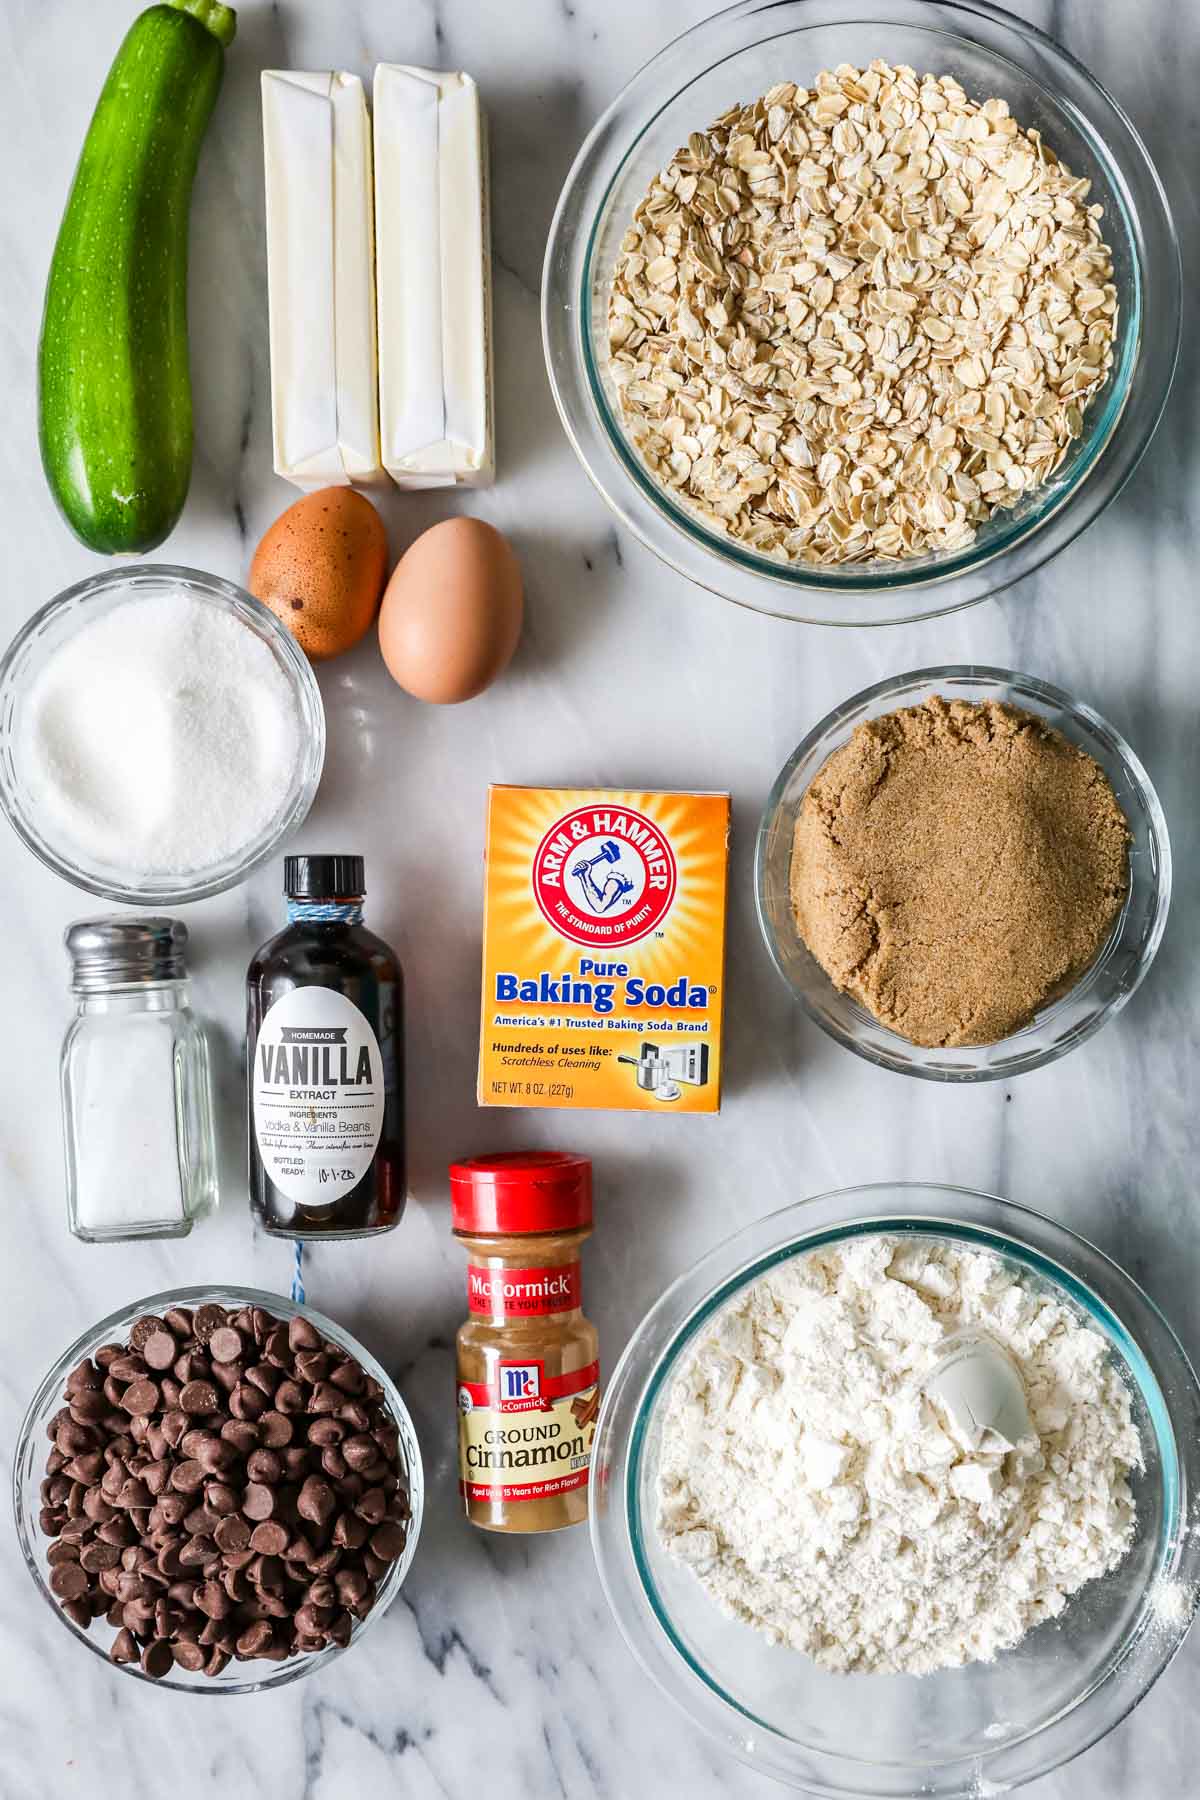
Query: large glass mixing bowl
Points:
[737, 55]
[960, 1733]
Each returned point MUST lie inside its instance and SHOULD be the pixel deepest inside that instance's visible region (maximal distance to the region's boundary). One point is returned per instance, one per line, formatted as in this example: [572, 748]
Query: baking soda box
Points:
[604, 949]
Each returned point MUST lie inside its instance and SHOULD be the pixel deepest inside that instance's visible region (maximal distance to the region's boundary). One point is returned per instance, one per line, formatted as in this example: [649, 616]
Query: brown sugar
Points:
[955, 866]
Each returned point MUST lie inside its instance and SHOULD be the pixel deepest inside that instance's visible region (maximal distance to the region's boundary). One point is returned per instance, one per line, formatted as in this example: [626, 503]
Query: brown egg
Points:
[321, 569]
[451, 615]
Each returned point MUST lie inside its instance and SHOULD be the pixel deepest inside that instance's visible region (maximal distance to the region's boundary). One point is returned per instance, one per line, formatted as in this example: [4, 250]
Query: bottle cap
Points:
[324, 877]
[521, 1191]
[120, 951]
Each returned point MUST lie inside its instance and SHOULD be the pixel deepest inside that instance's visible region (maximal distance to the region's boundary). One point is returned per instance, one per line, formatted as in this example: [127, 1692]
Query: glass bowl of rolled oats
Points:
[858, 320]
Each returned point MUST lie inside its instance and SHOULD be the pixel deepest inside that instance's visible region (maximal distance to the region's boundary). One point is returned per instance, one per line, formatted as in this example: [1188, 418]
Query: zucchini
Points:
[114, 395]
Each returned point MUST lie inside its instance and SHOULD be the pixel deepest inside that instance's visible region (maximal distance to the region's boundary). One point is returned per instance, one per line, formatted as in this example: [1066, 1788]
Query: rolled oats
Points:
[852, 321]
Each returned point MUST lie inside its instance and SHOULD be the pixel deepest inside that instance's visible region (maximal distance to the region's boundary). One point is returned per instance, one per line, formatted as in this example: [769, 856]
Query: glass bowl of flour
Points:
[160, 734]
[840, 1556]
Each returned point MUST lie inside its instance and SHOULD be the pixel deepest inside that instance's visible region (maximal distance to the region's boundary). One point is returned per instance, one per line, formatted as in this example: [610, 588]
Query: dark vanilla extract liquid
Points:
[325, 1076]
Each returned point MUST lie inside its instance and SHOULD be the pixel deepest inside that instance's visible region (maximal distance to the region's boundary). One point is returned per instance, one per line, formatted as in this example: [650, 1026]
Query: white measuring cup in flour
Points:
[978, 1387]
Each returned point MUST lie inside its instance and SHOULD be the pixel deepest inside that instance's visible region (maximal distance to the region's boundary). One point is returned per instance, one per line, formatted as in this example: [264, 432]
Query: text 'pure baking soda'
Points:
[603, 949]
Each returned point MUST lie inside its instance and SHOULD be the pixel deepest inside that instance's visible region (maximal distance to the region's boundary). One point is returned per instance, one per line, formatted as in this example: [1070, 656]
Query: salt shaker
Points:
[136, 1095]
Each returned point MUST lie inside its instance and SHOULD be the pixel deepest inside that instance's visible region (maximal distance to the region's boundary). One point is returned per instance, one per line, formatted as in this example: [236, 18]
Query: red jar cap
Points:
[521, 1190]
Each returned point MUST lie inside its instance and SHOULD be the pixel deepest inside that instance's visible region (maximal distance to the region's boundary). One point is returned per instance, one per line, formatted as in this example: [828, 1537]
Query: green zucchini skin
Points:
[114, 393]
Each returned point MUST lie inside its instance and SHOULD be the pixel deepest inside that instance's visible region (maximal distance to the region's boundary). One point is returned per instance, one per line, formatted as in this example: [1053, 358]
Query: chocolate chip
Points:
[326, 1431]
[265, 1466]
[188, 1655]
[289, 1397]
[275, 1430]
[209, 1318]
[372, 1506]
[388, 1540]
[84, 1377]
[351, 1585]
[349, 1377]
[89, 1406]
[350, 1533]
[142, 1329]
[316, 1500]
[360, 1452]
[232, 1533]
[312, 1366]
[188, 1477]
[157, 1658]
[140, 1397]
[123, 1649]
[197, 1551]
[68, 1581]
[97, 1556]
[125, 1368]
[258, 1501]
[241, 1433]
[269, 1539]
[254, 1640]
[160, 1350]
[247, 1402]
[302, 1335]
[225, 1344]
[201, 1521]
[191, 1366]
[198, 1397]
[213, 1600]
[266, 1377]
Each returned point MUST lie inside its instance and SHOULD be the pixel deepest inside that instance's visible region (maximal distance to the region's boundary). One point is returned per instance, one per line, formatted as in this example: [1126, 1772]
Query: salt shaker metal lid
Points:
[120, 950]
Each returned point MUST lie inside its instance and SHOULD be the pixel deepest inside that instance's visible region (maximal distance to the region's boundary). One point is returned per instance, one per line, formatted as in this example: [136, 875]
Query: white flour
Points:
[820, 1497]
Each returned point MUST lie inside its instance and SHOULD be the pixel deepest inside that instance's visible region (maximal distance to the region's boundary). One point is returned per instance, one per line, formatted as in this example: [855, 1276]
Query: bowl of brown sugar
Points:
[962, 873]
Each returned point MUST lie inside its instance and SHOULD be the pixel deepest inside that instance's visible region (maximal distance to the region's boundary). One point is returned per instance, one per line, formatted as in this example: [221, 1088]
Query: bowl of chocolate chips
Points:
[218, 1490]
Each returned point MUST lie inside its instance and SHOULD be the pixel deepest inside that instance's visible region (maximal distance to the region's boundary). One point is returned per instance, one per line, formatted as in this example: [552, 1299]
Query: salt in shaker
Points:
[136, 1095]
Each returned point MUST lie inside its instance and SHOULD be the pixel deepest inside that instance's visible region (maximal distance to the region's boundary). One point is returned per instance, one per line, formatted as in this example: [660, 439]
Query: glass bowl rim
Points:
[230, 598]
[228, 1294]
[947, 19]
[1165, 1398]
[1097, 726]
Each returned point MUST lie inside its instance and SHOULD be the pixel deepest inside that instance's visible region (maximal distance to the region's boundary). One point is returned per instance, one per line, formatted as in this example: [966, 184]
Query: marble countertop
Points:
[499, 1667]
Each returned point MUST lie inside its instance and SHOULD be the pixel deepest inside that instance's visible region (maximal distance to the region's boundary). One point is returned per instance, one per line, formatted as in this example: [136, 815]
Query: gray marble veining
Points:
[499, 1668]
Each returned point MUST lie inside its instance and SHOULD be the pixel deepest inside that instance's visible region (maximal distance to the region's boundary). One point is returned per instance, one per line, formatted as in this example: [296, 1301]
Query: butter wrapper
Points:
[321, 279]
[433, 262]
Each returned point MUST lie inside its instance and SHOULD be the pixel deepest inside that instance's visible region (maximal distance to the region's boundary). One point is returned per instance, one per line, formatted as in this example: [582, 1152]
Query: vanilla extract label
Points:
[318, 1093]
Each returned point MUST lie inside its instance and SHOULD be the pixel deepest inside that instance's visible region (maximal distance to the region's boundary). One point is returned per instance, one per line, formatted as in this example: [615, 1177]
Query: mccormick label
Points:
[526, 1435]
[524, 1293]
[604, 949]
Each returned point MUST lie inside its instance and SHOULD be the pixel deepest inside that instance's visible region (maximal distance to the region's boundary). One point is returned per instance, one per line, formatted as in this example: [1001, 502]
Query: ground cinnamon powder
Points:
[528, 1359]
[955, 866]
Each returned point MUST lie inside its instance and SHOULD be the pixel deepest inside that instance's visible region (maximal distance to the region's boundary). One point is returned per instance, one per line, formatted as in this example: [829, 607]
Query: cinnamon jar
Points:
[528, 1369]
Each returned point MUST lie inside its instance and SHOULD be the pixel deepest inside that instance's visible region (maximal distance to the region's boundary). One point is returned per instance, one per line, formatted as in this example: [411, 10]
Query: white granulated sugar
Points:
[161, 738]
[821, 1497]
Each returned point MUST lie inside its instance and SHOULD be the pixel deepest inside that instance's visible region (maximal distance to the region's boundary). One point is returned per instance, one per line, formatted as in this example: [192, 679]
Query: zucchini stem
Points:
[221, 20]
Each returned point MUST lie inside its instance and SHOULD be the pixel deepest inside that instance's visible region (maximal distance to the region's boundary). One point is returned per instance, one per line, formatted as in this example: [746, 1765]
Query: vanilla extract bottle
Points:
[325, 1063]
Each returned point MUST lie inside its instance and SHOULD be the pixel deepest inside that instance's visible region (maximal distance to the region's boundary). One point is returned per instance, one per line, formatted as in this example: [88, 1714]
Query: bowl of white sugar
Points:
[894, 1493]
[160, 734]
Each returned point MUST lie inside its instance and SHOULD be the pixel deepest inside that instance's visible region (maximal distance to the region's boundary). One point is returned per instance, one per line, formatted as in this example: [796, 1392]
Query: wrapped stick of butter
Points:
[433, 271]
[320, 278]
